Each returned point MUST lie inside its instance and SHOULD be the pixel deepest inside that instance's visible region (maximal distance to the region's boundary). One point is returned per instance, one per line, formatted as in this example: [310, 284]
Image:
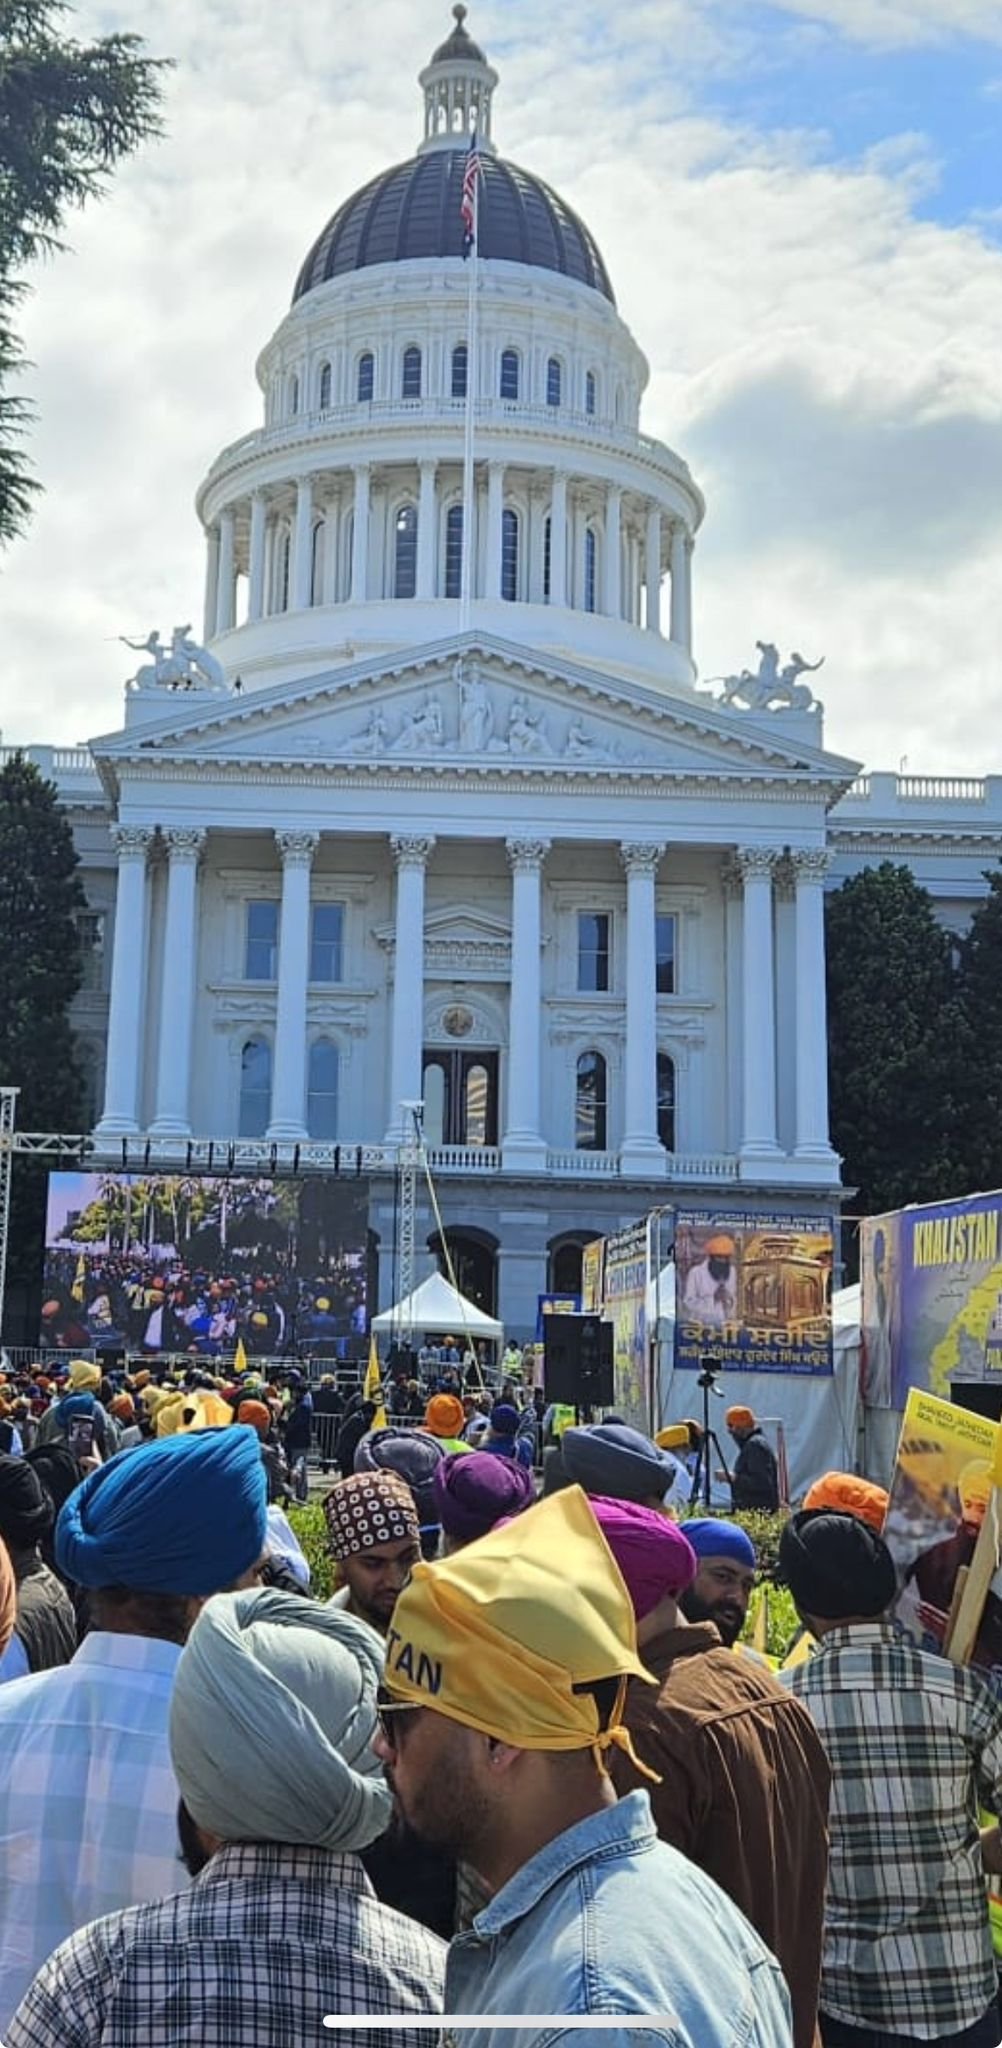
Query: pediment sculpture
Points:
[769, 687]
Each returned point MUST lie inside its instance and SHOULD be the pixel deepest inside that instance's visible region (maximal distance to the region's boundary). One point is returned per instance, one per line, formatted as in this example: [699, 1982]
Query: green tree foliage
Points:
[895, 1042]
[69, 112]
[980, 980]
[40, 896]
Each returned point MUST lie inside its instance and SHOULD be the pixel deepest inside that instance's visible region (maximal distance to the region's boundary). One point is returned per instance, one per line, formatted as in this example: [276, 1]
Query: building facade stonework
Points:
[521, 869]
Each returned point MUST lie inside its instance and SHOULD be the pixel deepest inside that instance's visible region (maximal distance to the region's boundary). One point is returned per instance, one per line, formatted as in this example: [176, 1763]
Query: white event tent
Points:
[436, 1307]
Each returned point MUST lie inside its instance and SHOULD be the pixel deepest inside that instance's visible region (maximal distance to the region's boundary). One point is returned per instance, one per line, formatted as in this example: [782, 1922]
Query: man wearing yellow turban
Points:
[506, 1670]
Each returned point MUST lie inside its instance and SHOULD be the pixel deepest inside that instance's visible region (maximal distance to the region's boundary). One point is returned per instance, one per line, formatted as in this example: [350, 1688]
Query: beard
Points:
[726, 1616]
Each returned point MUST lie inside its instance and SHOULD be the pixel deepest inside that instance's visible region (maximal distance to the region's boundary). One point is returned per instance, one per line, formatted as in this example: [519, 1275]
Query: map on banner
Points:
[931, 1309]
[754, 1291]
[939, 1495]
[190, 1264]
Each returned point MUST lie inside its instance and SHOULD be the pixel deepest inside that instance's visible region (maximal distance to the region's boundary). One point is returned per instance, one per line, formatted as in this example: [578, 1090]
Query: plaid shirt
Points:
[914, 1744]
[88, 1799]
[267, 1941]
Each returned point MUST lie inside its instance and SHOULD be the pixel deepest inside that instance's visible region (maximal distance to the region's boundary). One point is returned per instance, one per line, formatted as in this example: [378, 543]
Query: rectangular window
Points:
[593, 951]
[326, 938]
[665, 942]
[261, 947]
[90, 925]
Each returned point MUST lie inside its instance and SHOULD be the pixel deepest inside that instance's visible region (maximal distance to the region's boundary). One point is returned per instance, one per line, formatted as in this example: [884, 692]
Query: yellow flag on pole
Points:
[78, 1291]
[373, 1388]
[239, 1358]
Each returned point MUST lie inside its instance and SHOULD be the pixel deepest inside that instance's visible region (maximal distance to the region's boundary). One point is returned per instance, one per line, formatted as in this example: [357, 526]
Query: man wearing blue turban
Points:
[721, 1589]
[88, 1797]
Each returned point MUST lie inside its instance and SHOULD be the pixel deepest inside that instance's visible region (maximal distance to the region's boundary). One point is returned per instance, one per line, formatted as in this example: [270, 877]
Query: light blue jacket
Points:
[607, 1919]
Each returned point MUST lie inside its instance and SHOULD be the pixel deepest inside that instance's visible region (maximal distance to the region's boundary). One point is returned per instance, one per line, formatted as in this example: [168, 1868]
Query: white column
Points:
[758, 1007]
[288, 1088]
[810, 865]
[407, 1021]
[227, 581]
[729, 1113]
[524, 1147]
[652, 568]
[681, 588]
[360, 537]
[612, 597]
[558, 539]
[495, 507]
[177, 1001]
[332, 534]
[211, 604]
[641, 1150]
[255, 573]
[427, 530]
[302, 547]
[128, 980]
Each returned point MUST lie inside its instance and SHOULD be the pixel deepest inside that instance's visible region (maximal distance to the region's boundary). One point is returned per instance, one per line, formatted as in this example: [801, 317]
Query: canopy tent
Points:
[820, 1417]
[437, 1308]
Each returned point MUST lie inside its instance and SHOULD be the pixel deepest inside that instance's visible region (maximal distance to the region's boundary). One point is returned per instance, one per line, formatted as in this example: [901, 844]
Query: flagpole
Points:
[466, 581]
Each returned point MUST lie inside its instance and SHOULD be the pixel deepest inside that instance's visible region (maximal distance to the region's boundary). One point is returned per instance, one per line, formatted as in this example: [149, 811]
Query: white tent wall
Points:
[820, 1417]
[436, 1308]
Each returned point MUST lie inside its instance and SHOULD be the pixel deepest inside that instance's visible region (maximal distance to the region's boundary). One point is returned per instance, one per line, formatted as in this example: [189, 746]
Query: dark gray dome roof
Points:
[459, 44]
[412, 211]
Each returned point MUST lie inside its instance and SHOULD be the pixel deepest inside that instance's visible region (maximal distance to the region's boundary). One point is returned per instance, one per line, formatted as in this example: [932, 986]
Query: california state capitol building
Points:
[357, 846]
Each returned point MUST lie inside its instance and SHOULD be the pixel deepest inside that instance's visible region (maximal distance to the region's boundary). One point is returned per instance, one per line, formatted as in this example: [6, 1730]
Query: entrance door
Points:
[460, 1097]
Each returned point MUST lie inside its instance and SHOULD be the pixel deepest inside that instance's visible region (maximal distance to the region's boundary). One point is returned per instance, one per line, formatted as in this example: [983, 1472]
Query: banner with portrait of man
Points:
[754, 1291]
[931, 1307]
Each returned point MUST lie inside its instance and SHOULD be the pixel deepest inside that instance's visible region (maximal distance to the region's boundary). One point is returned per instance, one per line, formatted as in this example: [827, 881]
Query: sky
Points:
[800, 205]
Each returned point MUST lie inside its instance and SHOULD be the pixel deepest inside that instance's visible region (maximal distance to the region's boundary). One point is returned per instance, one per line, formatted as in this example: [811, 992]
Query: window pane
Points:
[666, 1101]
[590, 391]
[509, 556]
[434, 1105]
[454, 551]
[459, 370]
[553, 381]
[294, 395]
[366, 377]
[476, 1106]
[591, 557]
[509, 373]
[590, 1117]
[412, 373]
[665, 944]
[261, 948]
[325, 387]
[255, 1088]
[325, 950]
[593, 951]
[322, 1090]
[405, 559]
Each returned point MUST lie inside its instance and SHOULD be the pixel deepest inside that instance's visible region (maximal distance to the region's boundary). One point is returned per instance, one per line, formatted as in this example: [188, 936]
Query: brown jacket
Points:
[744, 1792]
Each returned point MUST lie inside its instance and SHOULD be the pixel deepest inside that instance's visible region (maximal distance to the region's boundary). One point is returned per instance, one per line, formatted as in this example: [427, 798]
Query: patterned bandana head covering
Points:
[369, 1510]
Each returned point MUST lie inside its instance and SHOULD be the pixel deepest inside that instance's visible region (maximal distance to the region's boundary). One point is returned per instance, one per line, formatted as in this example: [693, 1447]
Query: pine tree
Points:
[69, 112]
[980, 988]
[40, 896]
[895, 1042]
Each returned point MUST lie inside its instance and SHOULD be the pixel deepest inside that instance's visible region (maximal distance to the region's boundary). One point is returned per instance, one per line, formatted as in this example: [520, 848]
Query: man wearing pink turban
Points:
[744, 1784]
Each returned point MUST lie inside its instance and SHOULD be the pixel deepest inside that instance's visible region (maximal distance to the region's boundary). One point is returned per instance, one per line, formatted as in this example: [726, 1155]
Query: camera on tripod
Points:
[710, 1371]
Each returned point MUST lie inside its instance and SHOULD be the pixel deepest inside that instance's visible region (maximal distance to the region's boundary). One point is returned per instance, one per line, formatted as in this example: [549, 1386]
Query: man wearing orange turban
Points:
[755, 1479]
[850, 1495]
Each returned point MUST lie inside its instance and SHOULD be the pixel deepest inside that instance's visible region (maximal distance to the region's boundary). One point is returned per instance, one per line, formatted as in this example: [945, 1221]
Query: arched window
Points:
[405, 553]
[510, 368]
[318, 594]
[255, 1088]
[411, 385]
[433, 1089]
[476, 1105]
[590, 392]
[591, 1105]
[324, 391]
[554, 381]
[509, 556]
[366, 377]
[666, 1101]
[590, 568]
[322, 1090]
[284, 570]
[546, 561]
[459, 369]
[293, 393]
[454, 551]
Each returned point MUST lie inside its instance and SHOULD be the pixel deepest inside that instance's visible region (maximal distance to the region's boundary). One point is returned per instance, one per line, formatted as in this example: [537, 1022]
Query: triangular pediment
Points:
[477, 707]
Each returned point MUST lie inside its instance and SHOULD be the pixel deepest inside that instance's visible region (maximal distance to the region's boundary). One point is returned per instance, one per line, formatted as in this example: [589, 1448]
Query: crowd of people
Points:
[159, 1303]
[520, 1765]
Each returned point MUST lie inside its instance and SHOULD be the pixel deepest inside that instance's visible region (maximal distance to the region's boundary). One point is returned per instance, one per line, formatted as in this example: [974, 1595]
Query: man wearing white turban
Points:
[272, 1718]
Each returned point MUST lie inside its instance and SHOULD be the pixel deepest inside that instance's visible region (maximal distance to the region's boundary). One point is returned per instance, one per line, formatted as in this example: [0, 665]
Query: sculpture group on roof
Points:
[769, 687]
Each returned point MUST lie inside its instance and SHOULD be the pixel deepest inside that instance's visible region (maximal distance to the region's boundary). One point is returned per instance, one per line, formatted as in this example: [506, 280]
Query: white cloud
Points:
[826, 361]
[900, 24]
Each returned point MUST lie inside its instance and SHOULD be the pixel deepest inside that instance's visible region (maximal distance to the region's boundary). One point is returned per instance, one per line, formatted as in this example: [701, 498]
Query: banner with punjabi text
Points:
[754, 1292]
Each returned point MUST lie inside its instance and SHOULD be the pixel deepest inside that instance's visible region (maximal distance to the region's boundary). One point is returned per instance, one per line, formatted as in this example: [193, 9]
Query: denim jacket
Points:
[608, 1919]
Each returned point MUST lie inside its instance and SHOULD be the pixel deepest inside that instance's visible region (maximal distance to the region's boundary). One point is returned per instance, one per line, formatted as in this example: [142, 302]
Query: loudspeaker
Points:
[981, 1397]
[577, 1361]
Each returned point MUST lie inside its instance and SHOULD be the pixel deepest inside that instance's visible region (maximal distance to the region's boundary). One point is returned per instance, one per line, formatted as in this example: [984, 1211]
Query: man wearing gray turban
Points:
[272, 1718]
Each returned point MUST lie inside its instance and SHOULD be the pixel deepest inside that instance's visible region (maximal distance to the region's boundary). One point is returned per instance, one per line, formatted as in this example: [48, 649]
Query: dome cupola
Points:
[458, 87]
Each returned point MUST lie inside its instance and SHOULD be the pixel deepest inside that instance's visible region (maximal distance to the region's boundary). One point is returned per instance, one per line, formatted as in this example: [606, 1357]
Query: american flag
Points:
[472, 172]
